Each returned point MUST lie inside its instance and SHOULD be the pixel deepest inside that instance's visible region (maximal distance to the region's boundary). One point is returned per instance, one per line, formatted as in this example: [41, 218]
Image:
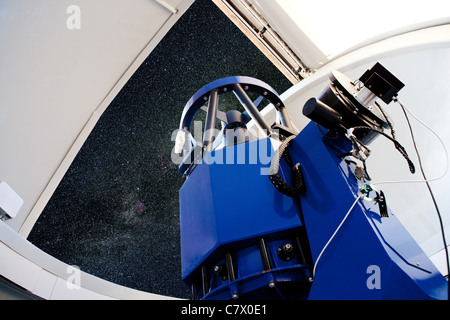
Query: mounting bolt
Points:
[221, 271]
[271, 284]
[286, 252]
[235, 295]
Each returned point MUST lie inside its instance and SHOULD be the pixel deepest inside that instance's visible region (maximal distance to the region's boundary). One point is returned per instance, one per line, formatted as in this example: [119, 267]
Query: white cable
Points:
[440, 140]
[335, 232]
[386, 182]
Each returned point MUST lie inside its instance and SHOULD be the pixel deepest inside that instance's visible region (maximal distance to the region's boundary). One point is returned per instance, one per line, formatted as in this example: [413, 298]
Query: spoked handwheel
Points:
[241, 86]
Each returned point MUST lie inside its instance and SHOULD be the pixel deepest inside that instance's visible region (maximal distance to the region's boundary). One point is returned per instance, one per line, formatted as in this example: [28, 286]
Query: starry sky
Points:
[116, 214]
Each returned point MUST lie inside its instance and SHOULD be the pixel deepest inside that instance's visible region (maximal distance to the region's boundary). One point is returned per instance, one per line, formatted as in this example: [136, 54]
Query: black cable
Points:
[428, 185]
[397, 145]
[388, 121]
[402, 150]
[298, 183]
[356, 149]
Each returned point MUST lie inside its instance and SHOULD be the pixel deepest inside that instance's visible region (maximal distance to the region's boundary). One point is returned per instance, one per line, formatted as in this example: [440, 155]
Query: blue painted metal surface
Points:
[223, 205]
[290, 278]
[370, 257]
[228, 204]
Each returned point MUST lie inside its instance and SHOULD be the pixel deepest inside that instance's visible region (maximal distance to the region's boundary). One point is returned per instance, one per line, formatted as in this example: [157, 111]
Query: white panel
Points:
[335, 26]
[167, 5]
[44, 285]
[10, 201]
[290, 32]
[439, 261]
[62, 292]
[54, 78]
[319, 31]
[18, 269]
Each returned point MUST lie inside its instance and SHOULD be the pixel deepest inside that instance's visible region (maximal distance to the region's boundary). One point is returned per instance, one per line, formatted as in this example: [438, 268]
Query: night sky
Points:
[116, 213]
